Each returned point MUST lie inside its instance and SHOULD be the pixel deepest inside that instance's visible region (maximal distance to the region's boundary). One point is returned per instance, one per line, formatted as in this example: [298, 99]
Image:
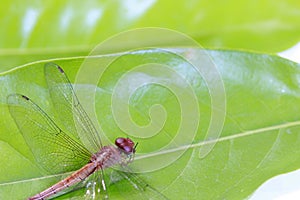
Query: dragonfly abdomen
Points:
[74, 178]
[106, 157]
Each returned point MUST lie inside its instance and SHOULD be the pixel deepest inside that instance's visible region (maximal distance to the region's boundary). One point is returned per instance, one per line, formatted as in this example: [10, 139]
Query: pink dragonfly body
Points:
[106, 157]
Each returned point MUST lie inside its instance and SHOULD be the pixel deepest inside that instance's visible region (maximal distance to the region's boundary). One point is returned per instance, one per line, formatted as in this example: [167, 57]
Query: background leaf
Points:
[39, 30]
[260, 137]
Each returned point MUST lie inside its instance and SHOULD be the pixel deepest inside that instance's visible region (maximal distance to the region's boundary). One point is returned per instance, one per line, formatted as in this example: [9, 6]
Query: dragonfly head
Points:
[126, 145]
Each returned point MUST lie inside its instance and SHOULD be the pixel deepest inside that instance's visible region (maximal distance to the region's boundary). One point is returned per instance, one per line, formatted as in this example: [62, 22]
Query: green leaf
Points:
[260, 137]
[41, 30]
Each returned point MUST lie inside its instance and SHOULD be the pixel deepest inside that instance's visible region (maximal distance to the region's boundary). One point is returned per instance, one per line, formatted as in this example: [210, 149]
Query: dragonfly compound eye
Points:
[125, 144]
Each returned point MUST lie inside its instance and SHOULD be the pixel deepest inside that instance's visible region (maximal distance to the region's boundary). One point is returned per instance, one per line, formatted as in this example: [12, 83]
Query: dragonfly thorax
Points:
[110, 155]
[107, 157]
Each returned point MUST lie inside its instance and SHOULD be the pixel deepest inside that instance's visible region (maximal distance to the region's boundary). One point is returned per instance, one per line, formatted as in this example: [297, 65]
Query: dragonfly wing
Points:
[138, 188]
[96, 187]
[53, 149]
[69, 109]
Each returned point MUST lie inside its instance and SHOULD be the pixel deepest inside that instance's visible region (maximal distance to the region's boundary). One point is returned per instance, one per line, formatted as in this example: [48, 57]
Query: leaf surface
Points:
[260, 137]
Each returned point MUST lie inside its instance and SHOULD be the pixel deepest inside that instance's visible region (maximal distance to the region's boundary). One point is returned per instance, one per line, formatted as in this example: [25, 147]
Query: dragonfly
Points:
[59, 150]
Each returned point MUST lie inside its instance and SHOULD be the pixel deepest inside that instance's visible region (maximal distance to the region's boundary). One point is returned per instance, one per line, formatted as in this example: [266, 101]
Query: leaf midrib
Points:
[221, 139]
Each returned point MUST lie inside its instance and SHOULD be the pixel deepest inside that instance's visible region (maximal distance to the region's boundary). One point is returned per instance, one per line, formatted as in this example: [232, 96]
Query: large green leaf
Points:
[64, 28]
[260, 137]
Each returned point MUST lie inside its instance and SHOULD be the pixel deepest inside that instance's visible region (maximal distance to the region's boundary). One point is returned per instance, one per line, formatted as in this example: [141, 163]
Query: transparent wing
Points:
[69, 109]
[53, 149]
[96, 187]
[139, 188]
